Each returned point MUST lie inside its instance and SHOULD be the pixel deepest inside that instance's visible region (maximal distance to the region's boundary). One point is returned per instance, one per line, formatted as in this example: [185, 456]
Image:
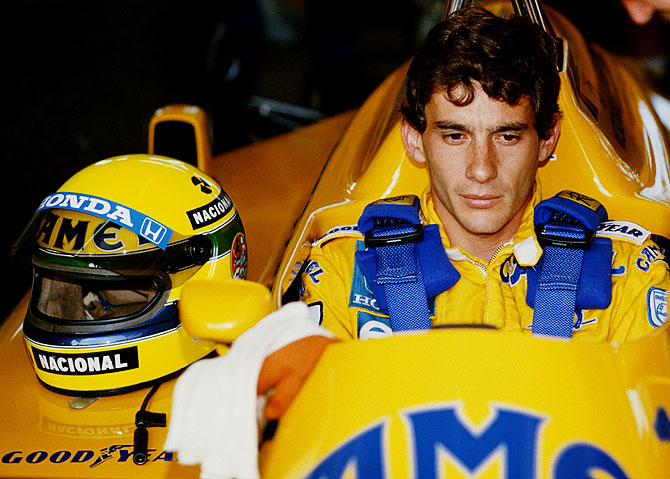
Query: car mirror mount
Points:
[221, 310]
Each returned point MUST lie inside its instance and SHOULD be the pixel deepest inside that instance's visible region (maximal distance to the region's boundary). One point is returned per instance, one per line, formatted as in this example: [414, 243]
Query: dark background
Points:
[82, 78]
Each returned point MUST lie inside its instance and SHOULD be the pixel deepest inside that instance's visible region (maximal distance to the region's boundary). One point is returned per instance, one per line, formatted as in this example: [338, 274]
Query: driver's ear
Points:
[413, 142]
[548, 146]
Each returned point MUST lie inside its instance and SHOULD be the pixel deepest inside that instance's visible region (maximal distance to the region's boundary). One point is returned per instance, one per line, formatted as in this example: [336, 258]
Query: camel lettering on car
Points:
[512, 433]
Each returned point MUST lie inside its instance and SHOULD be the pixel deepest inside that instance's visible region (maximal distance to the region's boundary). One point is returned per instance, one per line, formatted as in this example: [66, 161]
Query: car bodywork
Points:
[574, 408]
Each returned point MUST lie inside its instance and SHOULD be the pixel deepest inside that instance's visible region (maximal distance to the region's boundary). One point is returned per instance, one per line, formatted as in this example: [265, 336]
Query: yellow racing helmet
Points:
[111, 251]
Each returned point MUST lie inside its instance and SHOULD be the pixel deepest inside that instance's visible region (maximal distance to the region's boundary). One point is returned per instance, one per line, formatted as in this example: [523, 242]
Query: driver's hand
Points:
[286, 370]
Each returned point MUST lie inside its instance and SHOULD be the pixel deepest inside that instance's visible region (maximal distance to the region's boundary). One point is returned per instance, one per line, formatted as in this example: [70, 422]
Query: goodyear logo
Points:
[139, 223]
[117, 453]
[337, 230]
[209, 213]
[624, 230]
[86, 363]
[581, 199]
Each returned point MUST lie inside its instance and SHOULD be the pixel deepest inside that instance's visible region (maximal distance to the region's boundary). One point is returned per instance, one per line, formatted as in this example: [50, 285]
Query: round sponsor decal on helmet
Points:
[238, 257]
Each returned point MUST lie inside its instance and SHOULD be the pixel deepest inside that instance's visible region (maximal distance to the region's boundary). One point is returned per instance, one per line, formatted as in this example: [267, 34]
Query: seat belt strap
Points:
[399, 273]
[565, 227]
[404, 263]
[557, 283]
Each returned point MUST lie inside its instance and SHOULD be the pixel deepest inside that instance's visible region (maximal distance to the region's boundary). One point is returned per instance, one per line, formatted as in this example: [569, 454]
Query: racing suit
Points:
[494, 292]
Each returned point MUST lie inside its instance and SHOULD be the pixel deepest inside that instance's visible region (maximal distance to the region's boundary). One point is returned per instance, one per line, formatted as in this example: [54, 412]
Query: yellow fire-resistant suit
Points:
[493, 292]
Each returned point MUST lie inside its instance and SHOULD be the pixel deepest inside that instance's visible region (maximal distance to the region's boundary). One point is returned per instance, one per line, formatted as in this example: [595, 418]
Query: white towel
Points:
[213, 421]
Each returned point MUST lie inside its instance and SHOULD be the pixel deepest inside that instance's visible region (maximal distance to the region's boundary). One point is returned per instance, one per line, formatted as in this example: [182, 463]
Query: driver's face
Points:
[482, 159]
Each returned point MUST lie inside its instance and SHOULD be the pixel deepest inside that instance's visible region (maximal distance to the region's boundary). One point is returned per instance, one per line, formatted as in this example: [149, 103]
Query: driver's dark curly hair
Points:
[510, 58]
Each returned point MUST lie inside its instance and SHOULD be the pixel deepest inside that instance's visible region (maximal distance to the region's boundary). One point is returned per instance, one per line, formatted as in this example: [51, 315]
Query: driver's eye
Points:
[453, 136]
[510, 137]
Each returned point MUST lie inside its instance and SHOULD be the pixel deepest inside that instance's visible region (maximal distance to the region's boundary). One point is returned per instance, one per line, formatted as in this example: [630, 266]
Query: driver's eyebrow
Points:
[449, 125]
[515, 126]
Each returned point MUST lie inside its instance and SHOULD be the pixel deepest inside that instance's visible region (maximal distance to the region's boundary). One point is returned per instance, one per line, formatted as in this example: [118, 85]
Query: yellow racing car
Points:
[527, 408]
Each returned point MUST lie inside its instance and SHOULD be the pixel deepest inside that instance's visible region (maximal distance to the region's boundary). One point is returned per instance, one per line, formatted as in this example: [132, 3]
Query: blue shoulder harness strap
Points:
[575, 270]
[404, 262]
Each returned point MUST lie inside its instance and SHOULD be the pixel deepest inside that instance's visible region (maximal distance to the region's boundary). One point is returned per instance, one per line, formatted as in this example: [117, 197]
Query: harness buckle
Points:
[547, 239]
[394, 239]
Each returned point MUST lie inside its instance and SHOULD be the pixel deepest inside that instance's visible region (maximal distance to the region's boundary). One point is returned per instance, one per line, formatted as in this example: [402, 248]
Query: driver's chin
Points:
[483, 230]
[482, 222]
